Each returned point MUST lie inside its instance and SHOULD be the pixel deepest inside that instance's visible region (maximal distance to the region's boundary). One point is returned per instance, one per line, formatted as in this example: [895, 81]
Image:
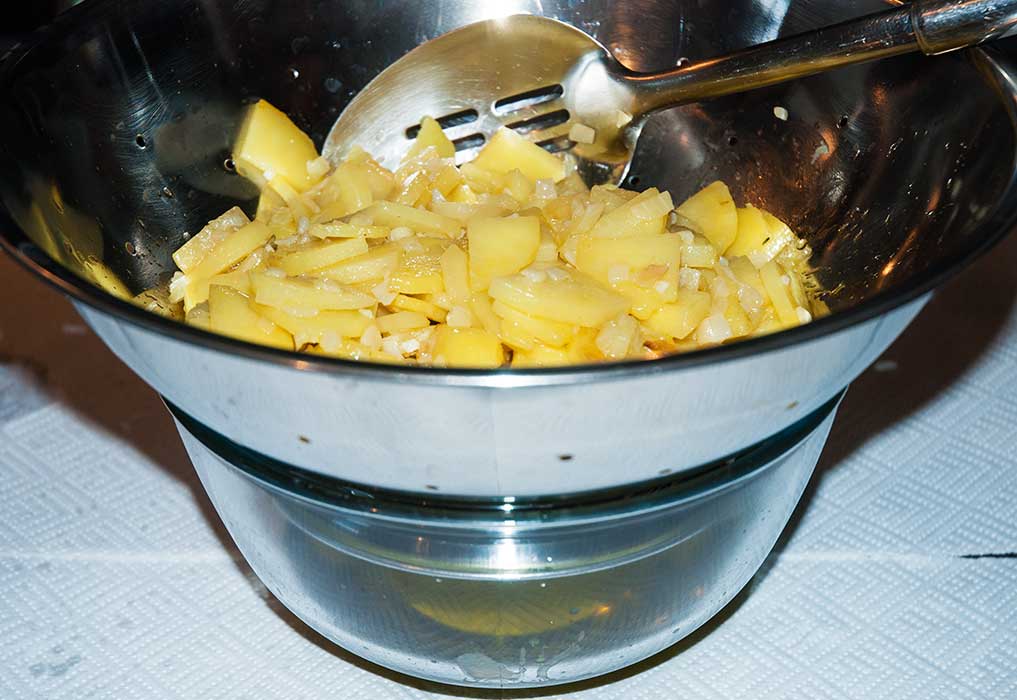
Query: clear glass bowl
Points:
[508, 592]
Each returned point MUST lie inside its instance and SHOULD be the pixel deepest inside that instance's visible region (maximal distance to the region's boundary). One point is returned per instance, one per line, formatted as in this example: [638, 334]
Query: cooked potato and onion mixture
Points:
[508, 260]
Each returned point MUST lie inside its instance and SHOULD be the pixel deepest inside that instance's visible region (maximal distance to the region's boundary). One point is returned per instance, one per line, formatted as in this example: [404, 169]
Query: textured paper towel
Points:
[896, 579]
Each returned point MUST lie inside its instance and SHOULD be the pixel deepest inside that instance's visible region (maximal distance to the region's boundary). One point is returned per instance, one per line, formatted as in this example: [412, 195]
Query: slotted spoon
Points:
[565, 91]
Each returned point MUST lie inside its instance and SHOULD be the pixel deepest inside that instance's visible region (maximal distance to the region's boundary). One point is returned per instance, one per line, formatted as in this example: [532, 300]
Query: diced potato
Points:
[312, 329]
[230, 313]
[736, 317]
[583, 348]
[455, 273]
[302, 296]
[338, 229]
[270, 143]
[553, 333]
[431, 136]
[508, 151]
[447, 179]
[679, 319]
[215, 232]
[699, 253]
[780, 239]
[483, 311]
[354, 187]
[779, 294]
[713, 213]
[600, 257]
[569, 297]
[379, 178]
[419, 270]
[467, 347]
[225, 254]
[319, 255]
[393, 215]
[197, 292]
[753, 233]
[428, 309]
[643, 215]
[501, 246]
[375, 264]
[402, 321]
[541, 356]
[746, 273]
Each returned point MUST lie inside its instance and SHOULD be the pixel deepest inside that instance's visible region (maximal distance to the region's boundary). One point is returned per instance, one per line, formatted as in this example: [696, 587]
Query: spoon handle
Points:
[930, 26]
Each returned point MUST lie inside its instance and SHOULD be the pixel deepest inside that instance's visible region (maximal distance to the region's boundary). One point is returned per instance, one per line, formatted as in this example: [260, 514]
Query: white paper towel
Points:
[896, 579]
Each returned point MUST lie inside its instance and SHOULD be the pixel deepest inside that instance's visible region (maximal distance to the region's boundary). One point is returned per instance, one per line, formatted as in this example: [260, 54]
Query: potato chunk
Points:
[467, 347]
[713, 213]
[568, 297]
[270, 144]
[508, 151]
[501, 246]
[230, 313]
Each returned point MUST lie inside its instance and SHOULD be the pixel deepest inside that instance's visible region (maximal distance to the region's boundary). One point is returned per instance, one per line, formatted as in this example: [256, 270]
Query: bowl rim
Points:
[639, 497]
[1003, 218]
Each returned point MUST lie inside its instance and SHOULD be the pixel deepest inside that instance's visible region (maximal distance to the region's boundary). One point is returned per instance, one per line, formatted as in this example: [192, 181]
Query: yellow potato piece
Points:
[431, 136]
[541, 356]
[315, 257]
[402, 321]
[508, 151]
[679, 319]
[572, 298]
[501, 246]
[407, 303]
[230, 313]
[713, 213]
[627, 257]
[197, 248]
[312, 329]
[338, 229]
[270, 143]
[455, 273]
[699, 253]
[553, 333]
[375, 264]
[779, 293]
[467, 347]
[305, 296]
[393, 214]
[196, 293]
[227, 252]
[753, 233]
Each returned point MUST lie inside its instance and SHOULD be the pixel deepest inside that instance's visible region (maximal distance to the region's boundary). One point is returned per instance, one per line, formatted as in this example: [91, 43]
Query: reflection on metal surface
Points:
[477, 66]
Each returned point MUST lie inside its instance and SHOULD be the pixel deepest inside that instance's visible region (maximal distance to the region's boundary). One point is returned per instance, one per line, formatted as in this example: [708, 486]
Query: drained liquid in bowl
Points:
[508, 260]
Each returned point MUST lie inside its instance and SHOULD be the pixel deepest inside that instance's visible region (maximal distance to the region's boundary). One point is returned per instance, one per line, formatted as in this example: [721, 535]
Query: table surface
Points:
[896, 578]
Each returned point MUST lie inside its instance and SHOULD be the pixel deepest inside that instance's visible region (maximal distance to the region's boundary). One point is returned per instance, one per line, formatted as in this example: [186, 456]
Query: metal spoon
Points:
[561, 88]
